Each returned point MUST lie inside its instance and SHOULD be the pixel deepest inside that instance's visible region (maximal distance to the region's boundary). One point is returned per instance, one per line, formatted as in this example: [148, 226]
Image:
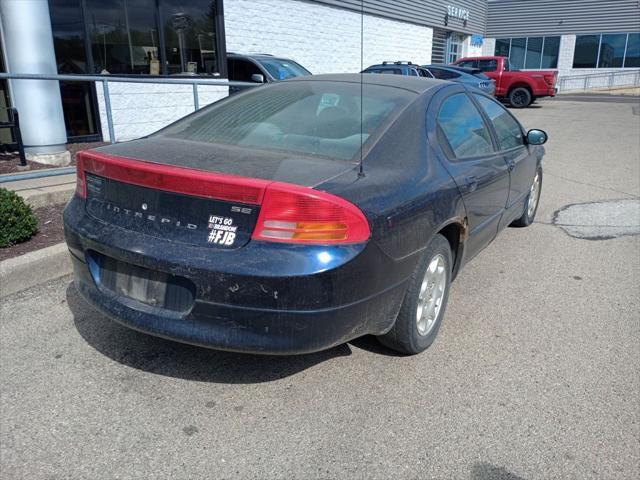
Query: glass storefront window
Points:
[531, 52]
[124, 38]
[534, 52]
[190, 36]
[607, 50]
[502, 47]
[585, 54]
[78, 98]
[67, 25]
[518, 48]
[632, 58]
[612, 50]
[550, 52]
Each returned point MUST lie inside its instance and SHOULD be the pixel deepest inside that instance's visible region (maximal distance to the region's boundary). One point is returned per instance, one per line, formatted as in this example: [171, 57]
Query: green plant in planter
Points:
[17, 221]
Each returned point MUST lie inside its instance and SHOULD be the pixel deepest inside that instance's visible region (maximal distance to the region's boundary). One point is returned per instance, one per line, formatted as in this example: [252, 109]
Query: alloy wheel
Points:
[534, 195]
[432, 291]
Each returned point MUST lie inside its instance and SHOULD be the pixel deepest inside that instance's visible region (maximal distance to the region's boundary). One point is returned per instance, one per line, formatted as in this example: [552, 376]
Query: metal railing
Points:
[106, 79]
[599, 81]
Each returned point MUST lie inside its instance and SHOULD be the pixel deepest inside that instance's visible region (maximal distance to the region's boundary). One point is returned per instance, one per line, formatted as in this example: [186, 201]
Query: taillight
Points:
[550, 78]
[81, 181]
[294, 214]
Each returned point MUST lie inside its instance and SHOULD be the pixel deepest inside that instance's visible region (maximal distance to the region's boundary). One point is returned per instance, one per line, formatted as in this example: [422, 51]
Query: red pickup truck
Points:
[519, 87]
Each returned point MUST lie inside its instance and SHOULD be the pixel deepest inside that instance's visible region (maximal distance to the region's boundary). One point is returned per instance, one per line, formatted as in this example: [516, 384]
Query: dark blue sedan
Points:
[301, 215]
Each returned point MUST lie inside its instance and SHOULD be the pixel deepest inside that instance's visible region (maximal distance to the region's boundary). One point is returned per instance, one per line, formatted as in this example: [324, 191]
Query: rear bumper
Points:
[263, 298]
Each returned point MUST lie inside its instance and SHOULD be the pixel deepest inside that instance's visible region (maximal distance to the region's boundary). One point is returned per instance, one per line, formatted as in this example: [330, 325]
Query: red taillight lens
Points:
[550, 78]
[81, 182]
[294, 214]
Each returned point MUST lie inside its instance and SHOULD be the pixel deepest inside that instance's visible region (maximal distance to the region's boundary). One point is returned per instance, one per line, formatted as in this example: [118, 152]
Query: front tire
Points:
[531, 203]
[425, 301]
[520, 97]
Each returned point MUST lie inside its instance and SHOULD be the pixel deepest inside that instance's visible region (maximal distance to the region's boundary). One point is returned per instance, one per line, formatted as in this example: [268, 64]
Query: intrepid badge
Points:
[222, 230]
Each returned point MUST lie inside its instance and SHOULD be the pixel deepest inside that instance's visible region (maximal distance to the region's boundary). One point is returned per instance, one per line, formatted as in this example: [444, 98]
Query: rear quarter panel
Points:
[406, 193]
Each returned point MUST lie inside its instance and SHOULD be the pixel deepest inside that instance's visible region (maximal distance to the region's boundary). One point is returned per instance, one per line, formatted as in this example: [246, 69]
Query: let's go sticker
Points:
[222, 231]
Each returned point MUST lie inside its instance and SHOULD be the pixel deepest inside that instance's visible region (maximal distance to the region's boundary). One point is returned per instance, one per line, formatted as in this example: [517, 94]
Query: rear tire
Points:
[520, 97]
[531, 203]
[425, 301]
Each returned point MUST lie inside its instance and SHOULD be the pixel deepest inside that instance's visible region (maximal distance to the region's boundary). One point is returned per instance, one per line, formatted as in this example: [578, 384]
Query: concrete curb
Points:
[52, 196]
[34, 268]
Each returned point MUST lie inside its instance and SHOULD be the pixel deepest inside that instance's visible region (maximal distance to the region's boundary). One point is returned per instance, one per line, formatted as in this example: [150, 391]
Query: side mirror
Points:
[257, 77]
[536, 137]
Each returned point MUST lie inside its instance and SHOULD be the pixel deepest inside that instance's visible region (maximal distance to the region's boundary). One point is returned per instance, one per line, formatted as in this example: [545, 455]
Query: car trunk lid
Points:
[207, 208]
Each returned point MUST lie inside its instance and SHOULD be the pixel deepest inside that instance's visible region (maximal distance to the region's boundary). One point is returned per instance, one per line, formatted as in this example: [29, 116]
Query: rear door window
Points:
[241, 70]
[468, 64]
[463, 127]
[507, 128]
[488, 65]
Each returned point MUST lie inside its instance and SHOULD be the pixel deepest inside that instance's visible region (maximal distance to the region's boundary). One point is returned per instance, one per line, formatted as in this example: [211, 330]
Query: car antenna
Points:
[360, 167]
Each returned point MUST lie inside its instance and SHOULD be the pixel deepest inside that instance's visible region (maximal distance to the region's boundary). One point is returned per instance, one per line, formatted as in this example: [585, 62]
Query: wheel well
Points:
[520, 85]
[452, 233]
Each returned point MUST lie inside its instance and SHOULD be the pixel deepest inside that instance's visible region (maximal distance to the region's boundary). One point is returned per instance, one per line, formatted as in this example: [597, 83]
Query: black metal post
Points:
[18, 136]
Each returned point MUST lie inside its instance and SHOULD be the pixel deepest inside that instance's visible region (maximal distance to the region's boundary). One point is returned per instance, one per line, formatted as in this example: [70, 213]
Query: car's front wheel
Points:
[520, 97]
[424, 303]
[531, 203]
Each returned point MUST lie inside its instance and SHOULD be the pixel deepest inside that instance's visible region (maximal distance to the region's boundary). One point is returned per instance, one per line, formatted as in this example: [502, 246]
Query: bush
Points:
[17, 221]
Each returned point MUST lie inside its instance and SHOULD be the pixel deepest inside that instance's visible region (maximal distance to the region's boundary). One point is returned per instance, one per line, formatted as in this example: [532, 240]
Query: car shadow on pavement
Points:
[173, 359]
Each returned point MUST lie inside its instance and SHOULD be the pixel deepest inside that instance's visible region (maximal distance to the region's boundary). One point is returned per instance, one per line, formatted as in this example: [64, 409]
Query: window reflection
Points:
[612, 50]
[189, 35]
[124, 38]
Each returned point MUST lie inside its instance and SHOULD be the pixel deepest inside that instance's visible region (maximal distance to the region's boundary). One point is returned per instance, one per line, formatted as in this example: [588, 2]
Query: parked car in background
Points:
[261, 68]
[298, 216]
[520, 88]
[398, 68]
[468, 76]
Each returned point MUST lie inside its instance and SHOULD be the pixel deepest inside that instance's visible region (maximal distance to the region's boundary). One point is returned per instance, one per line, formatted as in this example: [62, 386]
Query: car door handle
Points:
[512, 165]
[471, 183]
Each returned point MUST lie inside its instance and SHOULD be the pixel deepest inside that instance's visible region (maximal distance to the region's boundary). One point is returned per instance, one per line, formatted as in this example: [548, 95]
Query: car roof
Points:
[259, 56]
[414, 84]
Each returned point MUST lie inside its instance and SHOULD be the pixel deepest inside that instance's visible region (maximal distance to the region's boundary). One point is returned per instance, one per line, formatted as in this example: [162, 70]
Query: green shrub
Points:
[17, 221]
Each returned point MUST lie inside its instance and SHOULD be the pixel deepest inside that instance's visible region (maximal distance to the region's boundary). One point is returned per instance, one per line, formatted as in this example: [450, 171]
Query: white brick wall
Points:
[323, 39]
[139, 109]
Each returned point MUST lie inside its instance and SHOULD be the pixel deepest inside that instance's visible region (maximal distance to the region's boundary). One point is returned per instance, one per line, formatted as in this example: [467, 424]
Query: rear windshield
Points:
[283, 69]
[319, 118]
[388, 71]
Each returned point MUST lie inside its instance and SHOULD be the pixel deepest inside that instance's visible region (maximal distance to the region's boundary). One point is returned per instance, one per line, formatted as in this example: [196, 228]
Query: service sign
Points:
[457, 12]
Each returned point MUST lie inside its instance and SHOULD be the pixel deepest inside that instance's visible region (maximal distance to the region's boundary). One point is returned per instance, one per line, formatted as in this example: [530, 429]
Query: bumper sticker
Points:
[222, 231]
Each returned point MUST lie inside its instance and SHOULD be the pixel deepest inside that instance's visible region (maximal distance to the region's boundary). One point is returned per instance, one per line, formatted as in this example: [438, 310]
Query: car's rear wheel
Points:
[531, 204]
[519, 97]
[424, 303]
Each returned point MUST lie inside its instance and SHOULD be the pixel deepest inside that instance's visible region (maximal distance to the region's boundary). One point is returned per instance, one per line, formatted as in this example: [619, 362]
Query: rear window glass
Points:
[443, 74]
[311, 117]
[389, 71]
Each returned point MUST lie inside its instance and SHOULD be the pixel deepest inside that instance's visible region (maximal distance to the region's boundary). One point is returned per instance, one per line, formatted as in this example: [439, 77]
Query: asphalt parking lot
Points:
[535, 373]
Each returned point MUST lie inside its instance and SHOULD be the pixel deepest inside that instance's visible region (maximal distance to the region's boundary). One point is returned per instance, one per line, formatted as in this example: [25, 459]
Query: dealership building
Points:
[170, 38]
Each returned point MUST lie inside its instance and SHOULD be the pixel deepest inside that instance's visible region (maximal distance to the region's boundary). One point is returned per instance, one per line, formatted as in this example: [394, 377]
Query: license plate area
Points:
[151, 287]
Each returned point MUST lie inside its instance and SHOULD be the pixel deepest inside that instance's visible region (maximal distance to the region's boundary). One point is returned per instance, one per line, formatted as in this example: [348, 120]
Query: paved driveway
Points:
[535, 373]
